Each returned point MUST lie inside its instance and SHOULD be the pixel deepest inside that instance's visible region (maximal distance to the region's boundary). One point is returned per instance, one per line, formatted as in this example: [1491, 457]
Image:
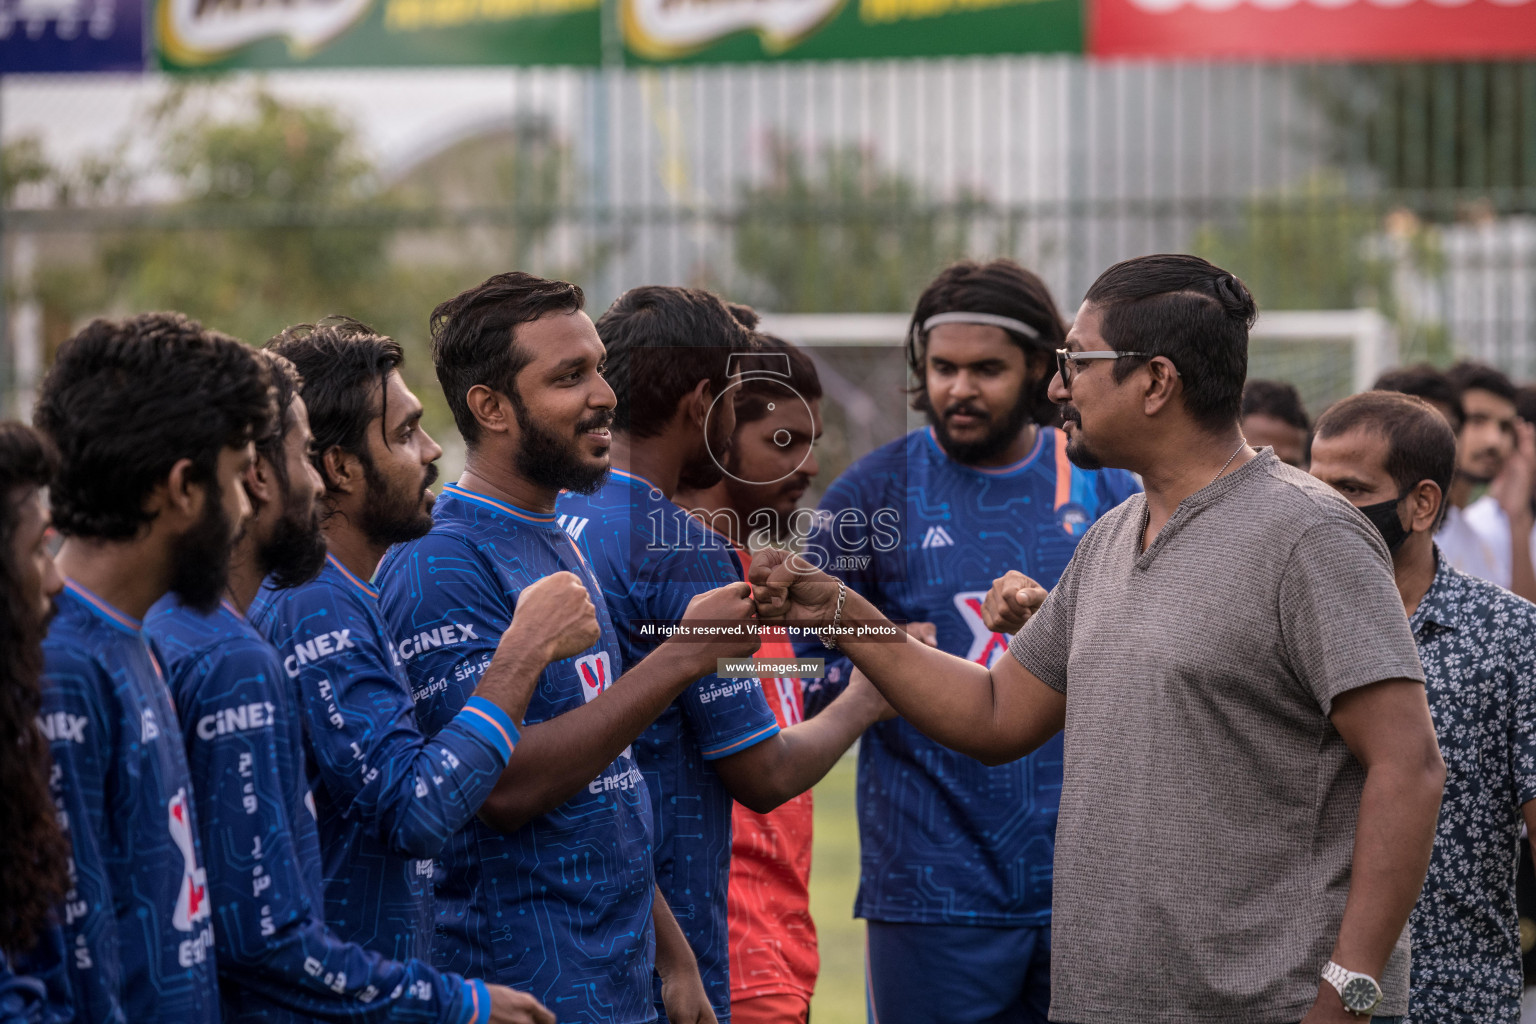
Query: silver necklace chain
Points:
[1146, 510]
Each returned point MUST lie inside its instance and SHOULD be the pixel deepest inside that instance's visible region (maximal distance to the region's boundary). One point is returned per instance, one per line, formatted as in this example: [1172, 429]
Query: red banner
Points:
[1313, 29]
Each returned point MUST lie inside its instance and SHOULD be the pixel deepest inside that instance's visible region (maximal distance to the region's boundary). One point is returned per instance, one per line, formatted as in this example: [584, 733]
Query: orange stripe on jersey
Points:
[1063, 472]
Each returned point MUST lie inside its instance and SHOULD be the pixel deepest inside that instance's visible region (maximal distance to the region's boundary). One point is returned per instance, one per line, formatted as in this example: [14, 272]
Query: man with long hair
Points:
[244, 729]
[32, 843]
[154, 418]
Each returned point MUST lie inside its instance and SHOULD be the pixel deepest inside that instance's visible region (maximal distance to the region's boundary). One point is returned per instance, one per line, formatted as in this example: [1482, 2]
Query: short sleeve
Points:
[1044, 645]
[1341, 616]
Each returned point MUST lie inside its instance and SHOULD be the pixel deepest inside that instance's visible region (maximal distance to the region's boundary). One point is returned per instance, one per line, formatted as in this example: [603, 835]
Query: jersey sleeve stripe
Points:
[737, 745]
[491, 722]
[477, 1002]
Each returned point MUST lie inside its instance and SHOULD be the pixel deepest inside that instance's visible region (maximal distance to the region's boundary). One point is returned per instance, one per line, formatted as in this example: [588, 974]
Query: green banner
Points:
[211, 35]
[672, 31]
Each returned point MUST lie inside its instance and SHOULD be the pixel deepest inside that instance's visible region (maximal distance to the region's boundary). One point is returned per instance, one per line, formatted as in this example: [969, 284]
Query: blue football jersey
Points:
[561, 907]
[386, 797]
[34, 987]
[943, 838]
[138, 931]
[652, 558]
[278, 962]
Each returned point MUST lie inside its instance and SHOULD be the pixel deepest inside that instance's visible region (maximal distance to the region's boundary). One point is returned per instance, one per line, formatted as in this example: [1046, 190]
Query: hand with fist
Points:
[719, 623]
[1013, 598]
[556, 616]
[789, 590]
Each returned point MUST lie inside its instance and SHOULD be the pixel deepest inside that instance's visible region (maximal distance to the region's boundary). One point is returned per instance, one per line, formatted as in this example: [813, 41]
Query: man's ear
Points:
[698, 402]
[342, 470]
[260, 482]
[1162, 384]
[1424, 505]
[179, 496]
[492, 410]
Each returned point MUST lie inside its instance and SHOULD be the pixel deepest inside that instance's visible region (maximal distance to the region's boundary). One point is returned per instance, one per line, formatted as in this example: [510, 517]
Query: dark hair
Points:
[744, 314]
[1191, 312]
[1423, 381]
[33, 847]
[687, 335]
[287, 385]
[1002, 288]
[343, 364]
[1525, 403]
[1469, 376]
[1276, 399]
[760, 388]
[474, 337]
[1420, 444]
[127, 399]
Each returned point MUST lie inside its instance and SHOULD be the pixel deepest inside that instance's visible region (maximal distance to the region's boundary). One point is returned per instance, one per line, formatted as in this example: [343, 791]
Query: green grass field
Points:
[834, 879]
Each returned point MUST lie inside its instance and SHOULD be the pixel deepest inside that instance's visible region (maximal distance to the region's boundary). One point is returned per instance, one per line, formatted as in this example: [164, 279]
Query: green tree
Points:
[841, 234]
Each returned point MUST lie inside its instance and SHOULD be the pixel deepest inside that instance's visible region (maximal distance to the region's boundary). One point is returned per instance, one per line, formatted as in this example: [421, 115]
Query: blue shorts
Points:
[958, 974]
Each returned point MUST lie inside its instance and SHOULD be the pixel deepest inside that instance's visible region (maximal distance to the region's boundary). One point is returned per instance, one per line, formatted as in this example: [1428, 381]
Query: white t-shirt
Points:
[1486, 516]
[1470, 549]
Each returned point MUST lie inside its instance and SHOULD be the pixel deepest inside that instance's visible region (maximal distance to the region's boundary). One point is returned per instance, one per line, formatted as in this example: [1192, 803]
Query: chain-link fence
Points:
[256, 202]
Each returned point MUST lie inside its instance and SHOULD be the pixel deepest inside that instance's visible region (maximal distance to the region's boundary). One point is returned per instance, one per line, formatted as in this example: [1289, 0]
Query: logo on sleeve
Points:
[316, 648]
[596, 674]
[443, 636]
[986, 645]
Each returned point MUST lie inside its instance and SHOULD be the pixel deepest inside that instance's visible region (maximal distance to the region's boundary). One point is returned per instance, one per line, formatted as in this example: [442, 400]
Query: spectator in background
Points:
[32, 844]
[1393, 459]
[1273, 417]
[1505, 517]
[1424, 381]
[1484, 444]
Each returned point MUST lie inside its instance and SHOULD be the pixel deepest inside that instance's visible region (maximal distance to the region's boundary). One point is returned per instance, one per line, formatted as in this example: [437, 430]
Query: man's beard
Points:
[707, 470]
[200, 558]
[1078, 452]
[548, 461]
[394, 516]
[295, 552]
[996, 441]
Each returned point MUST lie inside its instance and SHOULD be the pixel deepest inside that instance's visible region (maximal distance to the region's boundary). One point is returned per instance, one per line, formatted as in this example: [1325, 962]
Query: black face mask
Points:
[1383, 515]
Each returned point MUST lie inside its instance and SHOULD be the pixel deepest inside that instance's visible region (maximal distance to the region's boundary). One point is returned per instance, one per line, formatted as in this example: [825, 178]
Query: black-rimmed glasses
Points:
[1067, 361]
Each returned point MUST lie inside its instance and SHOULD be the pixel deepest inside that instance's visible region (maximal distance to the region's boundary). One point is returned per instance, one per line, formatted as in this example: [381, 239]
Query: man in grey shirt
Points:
[1251, 775]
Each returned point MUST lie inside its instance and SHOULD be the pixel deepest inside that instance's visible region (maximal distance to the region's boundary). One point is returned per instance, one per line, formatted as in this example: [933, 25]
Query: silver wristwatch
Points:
[1359, 992]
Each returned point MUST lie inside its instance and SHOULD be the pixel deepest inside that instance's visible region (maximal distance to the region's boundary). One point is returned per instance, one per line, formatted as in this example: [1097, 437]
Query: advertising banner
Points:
[740, 30]
[1313, 29]
[203, 35]
[71, 35]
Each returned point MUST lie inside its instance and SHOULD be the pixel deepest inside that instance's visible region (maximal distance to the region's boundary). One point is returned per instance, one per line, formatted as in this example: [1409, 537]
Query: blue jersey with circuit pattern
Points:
[652, 558]
[943, 838]
[561, 907]
[244, 732]
[387, 798]
[138, 933]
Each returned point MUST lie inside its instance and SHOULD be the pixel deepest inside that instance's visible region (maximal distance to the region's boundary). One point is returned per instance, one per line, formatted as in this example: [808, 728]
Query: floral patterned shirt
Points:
[1478, 645]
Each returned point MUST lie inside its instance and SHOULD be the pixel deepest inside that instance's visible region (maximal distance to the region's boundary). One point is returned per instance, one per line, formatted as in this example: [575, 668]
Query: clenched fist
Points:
[1013, 598]
[719, 623]
[556, 616]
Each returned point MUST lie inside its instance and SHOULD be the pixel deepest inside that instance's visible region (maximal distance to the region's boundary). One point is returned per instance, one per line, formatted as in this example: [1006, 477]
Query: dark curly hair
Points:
[127, 399]
[343, 364]
[287, 385]
[32, 845]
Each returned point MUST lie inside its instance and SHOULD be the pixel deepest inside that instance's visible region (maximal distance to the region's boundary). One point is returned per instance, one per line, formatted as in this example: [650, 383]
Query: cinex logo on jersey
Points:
[596, 674]
[986, 646]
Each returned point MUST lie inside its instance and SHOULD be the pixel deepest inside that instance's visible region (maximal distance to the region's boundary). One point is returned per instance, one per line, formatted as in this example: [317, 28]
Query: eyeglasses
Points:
[1067, 361]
